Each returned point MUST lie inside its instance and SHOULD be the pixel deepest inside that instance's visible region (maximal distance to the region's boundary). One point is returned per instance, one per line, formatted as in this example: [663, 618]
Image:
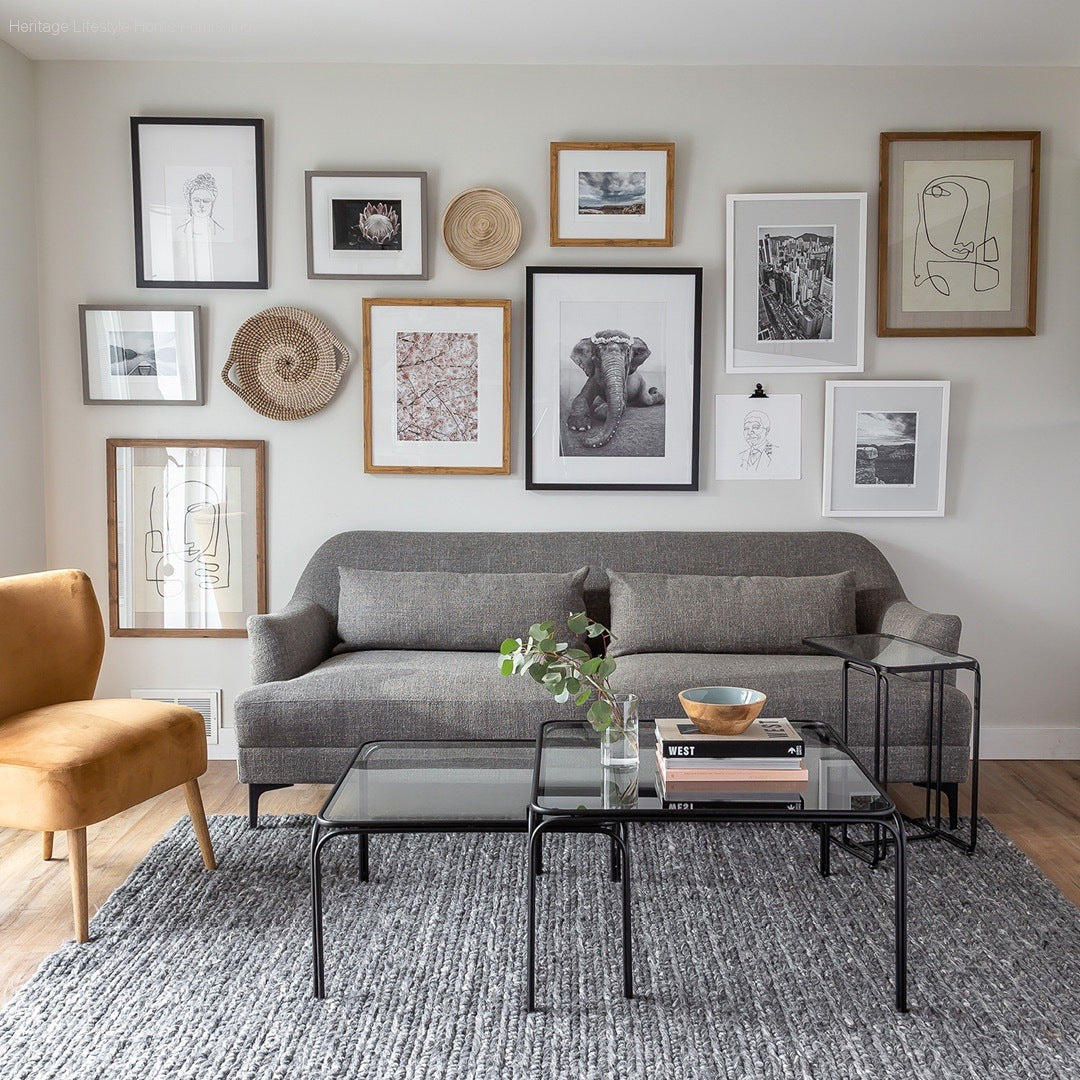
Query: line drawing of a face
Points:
[193, 530]
[756, 429]
[954, 226]
[201, 193]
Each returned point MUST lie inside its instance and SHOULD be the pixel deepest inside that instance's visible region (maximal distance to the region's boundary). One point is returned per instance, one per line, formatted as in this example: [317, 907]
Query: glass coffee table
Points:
[572, 792]
[435, 786]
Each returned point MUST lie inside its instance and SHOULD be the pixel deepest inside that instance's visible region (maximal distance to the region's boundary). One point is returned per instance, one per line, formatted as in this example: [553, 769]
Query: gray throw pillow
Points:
[390, 609]
[695, 613]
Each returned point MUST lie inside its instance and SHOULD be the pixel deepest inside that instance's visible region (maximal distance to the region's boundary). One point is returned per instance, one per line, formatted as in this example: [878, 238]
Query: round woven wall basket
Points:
[285, 363]
[481, 228]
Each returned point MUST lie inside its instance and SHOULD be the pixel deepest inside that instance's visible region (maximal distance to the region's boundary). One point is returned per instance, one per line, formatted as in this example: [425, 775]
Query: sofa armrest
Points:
[904, 619]
[289, 643]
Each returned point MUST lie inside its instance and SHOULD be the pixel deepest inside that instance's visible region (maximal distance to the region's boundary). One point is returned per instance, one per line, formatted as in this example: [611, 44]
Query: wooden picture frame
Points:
[255, 573]
[662, 236]
[566, 309]
[195, 250]
[94, 378]
[905, 227]
[384, 185]
[489, 452]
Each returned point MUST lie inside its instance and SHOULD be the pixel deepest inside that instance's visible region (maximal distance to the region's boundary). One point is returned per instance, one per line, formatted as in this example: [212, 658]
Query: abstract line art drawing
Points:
[953, 231]
[187, 539]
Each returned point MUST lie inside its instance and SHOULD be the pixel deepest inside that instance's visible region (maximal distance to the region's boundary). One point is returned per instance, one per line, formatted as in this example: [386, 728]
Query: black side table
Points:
[885, 655]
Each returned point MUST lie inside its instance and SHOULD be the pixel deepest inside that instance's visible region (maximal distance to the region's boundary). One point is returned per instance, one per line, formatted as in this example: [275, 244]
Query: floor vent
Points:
[205, 702]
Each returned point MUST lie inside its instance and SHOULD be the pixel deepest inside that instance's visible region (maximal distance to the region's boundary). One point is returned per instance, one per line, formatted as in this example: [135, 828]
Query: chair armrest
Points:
[904, 619]
[289, 643]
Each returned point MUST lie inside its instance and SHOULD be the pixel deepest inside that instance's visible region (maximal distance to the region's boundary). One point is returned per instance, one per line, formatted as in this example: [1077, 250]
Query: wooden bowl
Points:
[722, 710]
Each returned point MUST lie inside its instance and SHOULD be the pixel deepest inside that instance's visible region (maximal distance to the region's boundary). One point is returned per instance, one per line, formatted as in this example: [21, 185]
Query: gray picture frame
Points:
[425, 269]
[195, 310]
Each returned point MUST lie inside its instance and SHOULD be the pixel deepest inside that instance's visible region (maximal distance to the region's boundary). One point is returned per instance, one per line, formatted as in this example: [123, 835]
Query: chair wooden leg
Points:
[46, 845]
[76, 839]
[198, 821]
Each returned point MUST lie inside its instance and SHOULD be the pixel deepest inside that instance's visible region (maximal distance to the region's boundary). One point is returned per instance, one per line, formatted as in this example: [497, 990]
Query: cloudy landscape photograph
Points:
[611, 192]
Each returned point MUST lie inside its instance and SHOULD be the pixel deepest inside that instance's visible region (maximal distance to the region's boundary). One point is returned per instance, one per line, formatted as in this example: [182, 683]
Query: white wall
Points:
[22, 537]
[1003, 557]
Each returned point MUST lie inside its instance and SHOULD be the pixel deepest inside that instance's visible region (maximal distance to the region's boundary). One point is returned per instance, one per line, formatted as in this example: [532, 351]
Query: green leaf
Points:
[577, 654]
[599, 715]
[606, 668]
[591, 667]
[506, 666]
[595, 630]
[552, 676]
[561, 647]
[573, 685]
[509, 645]
[583, 697]
[562, 696]
[547, 645]
[538, 671]
[578, 624]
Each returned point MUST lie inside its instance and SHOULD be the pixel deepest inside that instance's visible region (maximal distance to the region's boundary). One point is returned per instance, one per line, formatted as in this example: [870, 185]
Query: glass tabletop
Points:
[888, 651]
[435, 783]
[570, 777]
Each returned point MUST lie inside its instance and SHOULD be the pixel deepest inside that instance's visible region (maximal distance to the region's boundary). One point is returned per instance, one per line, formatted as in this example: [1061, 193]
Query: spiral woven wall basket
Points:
[481, 228]
[285, 363]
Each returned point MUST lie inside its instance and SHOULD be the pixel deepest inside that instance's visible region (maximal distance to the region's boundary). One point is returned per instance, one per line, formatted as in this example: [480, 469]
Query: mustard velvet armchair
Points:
[67, 761]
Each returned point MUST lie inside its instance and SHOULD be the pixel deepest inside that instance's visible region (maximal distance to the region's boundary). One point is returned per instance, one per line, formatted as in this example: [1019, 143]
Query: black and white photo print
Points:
[366, 224]
[142, 353]
[612, 192]
[612, 399]
[885, 448]
[795, 283]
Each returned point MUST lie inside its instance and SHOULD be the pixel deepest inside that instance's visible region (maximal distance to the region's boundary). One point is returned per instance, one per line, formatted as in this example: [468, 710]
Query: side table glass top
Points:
[888, 651]
[471, 782]
[570, 777]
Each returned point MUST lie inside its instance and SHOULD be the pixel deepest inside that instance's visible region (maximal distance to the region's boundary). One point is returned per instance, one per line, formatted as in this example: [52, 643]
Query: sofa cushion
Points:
[652, 613]
[380, 609]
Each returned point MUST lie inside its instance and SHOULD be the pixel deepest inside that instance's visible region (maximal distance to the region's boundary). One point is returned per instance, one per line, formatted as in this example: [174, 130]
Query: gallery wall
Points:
[22, 537]
[1003, 557]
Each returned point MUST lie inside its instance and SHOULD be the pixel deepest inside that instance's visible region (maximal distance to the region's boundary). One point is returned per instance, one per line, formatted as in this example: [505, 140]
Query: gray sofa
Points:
[310, 707]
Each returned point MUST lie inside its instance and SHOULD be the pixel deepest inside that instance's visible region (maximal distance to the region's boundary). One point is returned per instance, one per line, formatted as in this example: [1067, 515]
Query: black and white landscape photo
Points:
[148, 353]
[612, 386]
[366, 224]
[616, 193]
[885, 448]
[795, 283]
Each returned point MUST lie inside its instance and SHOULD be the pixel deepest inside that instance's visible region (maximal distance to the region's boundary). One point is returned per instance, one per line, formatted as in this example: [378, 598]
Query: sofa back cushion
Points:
[380, 609]
[710, 614]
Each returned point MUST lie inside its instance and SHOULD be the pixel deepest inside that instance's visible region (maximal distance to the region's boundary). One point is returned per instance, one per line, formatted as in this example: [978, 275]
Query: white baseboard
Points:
[1033, 742]
[225, 748]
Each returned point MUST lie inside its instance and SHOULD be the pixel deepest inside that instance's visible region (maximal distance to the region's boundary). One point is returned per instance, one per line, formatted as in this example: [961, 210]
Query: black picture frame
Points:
[257, 124]
[694, 272]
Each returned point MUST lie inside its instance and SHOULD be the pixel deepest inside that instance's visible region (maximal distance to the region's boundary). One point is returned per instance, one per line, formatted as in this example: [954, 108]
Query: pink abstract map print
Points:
[437, 387]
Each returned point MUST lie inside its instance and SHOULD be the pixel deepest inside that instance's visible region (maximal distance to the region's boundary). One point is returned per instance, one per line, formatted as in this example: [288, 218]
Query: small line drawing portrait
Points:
[954, 231]
[758, 455]
[200, 194]
[186, 544]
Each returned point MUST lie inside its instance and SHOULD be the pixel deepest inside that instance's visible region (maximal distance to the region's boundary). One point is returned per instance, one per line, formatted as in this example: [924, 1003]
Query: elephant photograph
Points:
[612, 381]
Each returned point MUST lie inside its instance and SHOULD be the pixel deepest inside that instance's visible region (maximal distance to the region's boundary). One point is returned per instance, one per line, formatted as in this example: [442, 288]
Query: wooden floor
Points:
[1035, 803]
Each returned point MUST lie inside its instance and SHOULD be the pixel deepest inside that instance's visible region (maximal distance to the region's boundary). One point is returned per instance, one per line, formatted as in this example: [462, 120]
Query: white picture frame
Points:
[758, 438]
[833, 338]
[867, 470]
[366, 225]
[141, 354]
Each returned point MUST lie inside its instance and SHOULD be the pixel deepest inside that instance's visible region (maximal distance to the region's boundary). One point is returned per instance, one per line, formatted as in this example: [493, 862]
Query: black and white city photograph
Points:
[612, 192]
[142, 353]
[885, 448]
[366, 224]
[612, 379]
[795, 283]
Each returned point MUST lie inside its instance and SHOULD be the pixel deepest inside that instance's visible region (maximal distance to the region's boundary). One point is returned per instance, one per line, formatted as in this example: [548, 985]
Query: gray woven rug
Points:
[747, 962]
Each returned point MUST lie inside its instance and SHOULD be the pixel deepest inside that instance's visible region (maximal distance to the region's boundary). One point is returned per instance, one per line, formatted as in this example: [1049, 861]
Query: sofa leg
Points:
[46, 845]
[255, 793]
[952, 793]
[77, 857]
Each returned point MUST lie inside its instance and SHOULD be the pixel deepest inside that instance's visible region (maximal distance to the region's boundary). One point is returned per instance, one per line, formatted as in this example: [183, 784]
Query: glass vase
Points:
[619, 742]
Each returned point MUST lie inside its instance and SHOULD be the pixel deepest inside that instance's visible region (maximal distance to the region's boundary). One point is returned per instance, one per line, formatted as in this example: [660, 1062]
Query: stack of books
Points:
[763, 764]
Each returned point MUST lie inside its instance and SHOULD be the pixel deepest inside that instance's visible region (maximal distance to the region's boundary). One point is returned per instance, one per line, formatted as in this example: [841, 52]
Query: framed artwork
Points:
[958, 233]
[141, 354]
[200, 203]
[886, 447]
[187, 536]
[612, 194]
[613, 374]
[796, 282]
[436, 386]
[367, 225]
[758, 438]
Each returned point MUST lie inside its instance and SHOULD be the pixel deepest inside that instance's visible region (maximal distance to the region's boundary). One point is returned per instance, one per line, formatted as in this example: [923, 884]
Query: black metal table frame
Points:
[614, 823]
[872, 851]
[324, 830]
